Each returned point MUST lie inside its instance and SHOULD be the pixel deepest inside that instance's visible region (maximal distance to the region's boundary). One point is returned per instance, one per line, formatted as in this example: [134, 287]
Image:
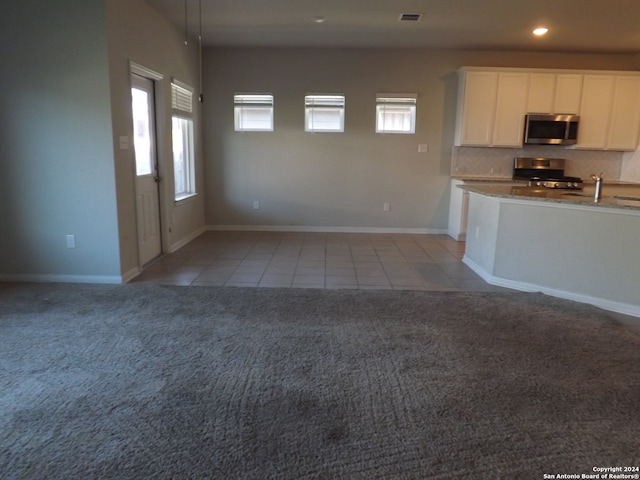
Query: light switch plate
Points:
[124, 143]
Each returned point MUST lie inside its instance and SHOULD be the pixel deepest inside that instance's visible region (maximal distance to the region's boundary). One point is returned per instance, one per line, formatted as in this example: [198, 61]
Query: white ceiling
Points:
[609, 26]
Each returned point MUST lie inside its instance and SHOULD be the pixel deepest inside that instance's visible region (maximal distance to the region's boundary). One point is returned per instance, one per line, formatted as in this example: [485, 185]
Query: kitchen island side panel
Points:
[482, 231]
[586, 251]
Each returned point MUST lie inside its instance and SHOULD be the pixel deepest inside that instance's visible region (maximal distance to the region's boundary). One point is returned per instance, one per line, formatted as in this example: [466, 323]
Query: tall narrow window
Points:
[396, 113]
[253, 113]
[183, 140]
[324, 113]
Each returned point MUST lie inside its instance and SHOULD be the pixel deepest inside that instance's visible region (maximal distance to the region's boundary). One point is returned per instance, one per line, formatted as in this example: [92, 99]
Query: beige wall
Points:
[136, 32]
[342, 180]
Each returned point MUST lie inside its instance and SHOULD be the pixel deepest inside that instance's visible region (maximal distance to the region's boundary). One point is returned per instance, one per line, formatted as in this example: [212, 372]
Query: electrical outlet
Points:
[477, 232]
[256, 205]
[71, 241]
[386, 206]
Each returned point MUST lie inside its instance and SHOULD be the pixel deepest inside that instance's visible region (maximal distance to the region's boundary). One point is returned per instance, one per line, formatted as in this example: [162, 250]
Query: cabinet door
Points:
[568, 94]
[542, 87]
[595, 111]
[511, 105]
[477, 99]
[625, 114]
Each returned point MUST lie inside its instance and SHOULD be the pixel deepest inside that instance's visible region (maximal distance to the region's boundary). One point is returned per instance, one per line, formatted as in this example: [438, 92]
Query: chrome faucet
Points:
[598, 192]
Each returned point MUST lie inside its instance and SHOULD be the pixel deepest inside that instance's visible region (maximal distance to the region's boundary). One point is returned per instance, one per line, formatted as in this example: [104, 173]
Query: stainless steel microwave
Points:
[551, 129]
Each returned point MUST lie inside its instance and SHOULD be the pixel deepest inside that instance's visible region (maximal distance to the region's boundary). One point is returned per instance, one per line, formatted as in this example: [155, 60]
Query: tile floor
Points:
[318, 260]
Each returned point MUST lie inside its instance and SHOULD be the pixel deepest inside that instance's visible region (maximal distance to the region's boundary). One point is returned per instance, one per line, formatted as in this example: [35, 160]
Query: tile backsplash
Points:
[498, 162]
[630, 171]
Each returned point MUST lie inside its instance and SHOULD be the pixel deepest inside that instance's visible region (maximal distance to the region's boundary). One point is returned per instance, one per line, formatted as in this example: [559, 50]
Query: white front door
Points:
[147, 192]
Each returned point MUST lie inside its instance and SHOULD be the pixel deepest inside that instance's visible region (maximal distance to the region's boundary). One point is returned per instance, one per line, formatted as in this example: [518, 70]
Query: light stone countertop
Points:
[467, 178]
[615, 195]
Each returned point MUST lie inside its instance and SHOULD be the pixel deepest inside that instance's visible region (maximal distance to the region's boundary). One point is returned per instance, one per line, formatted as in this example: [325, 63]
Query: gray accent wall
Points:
[65, 104]
[342, 181]
[56, 155]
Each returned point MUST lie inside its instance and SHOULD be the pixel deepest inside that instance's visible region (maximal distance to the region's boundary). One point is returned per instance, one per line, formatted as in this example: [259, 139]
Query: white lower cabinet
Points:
[458, 209]
[459, 203]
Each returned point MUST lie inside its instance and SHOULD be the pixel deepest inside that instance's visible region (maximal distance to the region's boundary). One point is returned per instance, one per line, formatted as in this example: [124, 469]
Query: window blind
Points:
[396, 113]
[181, 98]
[253, 112]
[324, 113]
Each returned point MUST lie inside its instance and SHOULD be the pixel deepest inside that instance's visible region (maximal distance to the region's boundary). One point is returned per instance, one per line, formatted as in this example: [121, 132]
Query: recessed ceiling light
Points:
[540, 31]
[319, 19]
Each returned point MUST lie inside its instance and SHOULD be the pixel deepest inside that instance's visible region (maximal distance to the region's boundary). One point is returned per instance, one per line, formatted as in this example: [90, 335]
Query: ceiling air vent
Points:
[410, 17]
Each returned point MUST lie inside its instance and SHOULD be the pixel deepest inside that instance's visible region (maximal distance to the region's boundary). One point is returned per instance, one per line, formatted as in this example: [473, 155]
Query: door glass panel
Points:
[142, 140]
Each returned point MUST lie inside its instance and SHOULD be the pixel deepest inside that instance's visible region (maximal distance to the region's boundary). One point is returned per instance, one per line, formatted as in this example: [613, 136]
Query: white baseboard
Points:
[42, 278]
[604, 303]
[311, 229]
[460, 237]
[182, 242]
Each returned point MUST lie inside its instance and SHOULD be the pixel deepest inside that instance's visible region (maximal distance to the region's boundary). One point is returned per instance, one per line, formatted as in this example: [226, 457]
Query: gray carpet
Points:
[142, 381]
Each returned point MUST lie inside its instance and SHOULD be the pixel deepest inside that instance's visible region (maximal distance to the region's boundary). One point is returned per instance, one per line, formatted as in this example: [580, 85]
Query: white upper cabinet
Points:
[476, 107]
[610, 116]
[554, 93]
[511, 107]
[542, 90]
[568, 94]
[595, 109]
[491, 109]
[625, 114]
[492, 104]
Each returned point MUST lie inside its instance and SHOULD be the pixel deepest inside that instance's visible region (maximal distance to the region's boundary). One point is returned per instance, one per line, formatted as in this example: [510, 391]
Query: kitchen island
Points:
[558, 242]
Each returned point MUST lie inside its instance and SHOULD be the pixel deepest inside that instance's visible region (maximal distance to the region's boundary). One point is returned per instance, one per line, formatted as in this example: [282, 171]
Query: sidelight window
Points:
[183, 140]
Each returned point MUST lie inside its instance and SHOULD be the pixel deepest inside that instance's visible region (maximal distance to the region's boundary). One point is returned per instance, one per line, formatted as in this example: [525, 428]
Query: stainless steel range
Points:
[544, 172]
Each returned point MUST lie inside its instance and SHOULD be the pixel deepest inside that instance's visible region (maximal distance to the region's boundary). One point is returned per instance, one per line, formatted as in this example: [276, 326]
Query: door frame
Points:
[161, 153]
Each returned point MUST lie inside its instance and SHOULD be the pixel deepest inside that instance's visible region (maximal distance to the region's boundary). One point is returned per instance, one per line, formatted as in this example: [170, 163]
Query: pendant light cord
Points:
[186, 26]
[201, 98]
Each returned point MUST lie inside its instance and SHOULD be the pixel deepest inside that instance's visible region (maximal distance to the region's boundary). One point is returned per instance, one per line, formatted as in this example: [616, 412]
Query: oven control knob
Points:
[556, 184]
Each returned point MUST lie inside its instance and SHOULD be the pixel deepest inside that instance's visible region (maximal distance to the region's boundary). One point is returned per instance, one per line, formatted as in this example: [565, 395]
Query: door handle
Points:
[157, 179]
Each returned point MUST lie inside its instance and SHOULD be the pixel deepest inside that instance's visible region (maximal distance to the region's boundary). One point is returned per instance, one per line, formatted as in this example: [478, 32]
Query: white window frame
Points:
[318, 105]
[388, 104]
[183, 141]
[256, 105]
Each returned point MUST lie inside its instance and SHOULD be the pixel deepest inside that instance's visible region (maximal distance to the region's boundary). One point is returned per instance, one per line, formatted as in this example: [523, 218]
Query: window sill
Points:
[181, 200]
